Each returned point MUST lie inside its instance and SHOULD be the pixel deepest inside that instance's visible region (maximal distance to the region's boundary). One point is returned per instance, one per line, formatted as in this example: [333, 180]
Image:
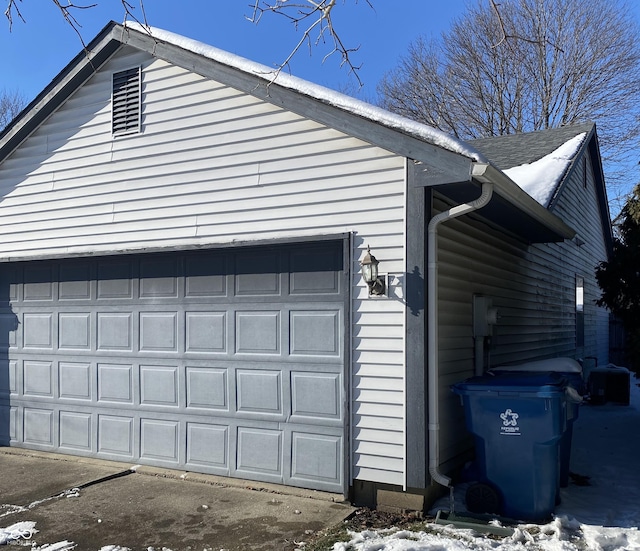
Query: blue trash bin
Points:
[517, 420]
[572, 371]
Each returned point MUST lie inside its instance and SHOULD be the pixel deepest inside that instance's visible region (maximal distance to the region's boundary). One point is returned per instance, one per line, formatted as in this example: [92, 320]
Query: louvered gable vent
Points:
[126, 102]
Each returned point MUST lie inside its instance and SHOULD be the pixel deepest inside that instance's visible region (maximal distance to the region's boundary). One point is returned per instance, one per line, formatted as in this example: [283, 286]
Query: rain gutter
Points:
[515, 195]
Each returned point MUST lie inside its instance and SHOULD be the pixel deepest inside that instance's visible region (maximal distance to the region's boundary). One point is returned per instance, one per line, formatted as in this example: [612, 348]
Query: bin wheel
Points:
[483, 498]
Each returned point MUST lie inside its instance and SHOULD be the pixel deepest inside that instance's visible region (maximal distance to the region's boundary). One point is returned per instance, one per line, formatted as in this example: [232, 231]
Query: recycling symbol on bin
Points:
[509, 418]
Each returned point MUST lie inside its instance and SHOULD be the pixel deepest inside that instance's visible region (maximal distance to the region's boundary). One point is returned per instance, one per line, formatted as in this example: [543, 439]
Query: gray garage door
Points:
[228, 362]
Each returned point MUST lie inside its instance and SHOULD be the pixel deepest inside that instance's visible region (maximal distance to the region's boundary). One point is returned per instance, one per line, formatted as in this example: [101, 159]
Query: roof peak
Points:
[511, 150]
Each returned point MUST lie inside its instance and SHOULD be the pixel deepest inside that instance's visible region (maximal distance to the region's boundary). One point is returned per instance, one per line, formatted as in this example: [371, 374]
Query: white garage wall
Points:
[216, 166]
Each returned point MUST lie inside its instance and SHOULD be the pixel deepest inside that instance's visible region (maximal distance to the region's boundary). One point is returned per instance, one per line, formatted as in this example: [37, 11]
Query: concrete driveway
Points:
[155, 508]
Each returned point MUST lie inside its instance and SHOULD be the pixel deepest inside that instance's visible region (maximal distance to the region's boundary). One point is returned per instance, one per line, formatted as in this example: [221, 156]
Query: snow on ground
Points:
[601, 516]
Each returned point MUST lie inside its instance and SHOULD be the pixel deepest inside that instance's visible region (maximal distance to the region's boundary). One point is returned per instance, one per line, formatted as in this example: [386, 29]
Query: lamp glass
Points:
[366, 273]
[369, 268]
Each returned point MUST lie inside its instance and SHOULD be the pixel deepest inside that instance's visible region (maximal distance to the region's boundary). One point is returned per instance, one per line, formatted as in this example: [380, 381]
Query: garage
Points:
[224, 361]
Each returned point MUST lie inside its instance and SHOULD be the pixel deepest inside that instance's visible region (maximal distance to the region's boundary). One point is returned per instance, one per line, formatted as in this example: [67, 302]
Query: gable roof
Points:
[455, 166]
[524, 148]
[446, 155]
[512, 151]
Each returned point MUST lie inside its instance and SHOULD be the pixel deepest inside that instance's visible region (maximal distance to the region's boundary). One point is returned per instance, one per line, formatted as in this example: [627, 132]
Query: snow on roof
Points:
[540, 178]
[331, 97]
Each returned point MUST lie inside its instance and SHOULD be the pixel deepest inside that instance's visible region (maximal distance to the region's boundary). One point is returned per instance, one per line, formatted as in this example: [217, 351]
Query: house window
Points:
[579, 311]
[126, 107]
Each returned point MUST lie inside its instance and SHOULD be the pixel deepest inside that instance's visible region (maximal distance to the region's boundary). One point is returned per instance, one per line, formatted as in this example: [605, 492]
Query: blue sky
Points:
[34, 52]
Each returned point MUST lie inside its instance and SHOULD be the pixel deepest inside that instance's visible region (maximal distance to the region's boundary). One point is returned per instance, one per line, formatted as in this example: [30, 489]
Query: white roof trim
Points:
[347, 103]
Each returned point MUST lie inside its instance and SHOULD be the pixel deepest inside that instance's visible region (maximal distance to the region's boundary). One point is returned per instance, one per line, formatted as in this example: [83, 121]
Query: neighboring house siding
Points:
[578, 207]
[533, 288]
[217, 166]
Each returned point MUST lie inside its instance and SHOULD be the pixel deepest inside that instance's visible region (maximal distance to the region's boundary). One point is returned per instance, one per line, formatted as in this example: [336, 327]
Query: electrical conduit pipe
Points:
[432, 317]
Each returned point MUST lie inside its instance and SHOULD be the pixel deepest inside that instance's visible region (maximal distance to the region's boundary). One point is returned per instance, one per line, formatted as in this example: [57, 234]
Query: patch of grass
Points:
[324, 540]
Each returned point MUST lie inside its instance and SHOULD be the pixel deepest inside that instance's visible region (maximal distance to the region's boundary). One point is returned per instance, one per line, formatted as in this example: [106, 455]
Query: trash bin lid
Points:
[538, 384]
[561, 365]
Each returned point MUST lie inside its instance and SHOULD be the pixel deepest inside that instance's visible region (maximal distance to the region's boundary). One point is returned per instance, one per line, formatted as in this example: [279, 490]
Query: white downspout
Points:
[432, 321]
[478, 355]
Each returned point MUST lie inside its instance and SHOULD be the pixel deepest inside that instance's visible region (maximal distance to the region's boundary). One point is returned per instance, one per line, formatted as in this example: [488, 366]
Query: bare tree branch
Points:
[68, 16]
[68, 9]
[12, 8]
[509, 36]
[316, 18]
[578, 61]
[129, 10]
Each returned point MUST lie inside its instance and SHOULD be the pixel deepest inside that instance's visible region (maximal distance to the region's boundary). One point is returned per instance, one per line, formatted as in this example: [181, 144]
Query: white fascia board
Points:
[78, 71]
[509, 190]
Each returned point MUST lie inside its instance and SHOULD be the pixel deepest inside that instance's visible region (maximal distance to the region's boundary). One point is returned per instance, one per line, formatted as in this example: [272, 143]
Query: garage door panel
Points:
[158, 332]
[116, 436]
[38, 378]
[115, 331]
[207, 276]
[75, 281]
[316, 397]
[258, 332]
[76, 431]
[315, 272]
[8, 329]
[38, 426]
[10, 432]
[76, 381]
[115, 279]
[38, 282]
[38, 330]
[11, 282]
[159, 277]
[206, 332]
[207, 388]
[227, 362]
[74, 330]
[315, 333]
[8, 378]
[259, 453]
[115, 383]
[208, 447]
[259, 391]
[159, 385]
[159, 440]
[316, 457]
[258, 273]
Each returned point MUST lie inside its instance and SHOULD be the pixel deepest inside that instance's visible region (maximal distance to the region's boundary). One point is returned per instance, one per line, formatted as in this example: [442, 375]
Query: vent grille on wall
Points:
[126, 102]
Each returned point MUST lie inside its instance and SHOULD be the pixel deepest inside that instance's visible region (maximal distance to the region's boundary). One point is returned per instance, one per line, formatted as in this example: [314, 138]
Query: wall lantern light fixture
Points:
[375, 282]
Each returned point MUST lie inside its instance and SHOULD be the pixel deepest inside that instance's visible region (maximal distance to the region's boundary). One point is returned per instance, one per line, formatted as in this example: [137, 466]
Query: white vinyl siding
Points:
[216, 166]
[533, 288]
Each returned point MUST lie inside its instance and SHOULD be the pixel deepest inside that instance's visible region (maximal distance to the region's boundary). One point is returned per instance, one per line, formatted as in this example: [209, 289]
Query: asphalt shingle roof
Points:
[518, 149]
